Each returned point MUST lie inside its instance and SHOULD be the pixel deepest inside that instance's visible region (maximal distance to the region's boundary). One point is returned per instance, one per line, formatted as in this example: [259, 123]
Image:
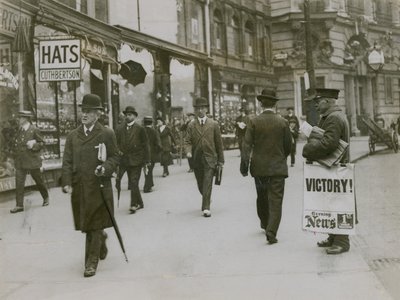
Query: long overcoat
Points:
[154, 143]
[204, 140]
[336, 127]
[28, 158]
[267, 144]
[167, 142]
[79, 163]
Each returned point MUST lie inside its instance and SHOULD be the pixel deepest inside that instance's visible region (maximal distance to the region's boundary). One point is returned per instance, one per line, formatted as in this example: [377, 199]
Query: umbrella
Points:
[114, 223]
[133, 72]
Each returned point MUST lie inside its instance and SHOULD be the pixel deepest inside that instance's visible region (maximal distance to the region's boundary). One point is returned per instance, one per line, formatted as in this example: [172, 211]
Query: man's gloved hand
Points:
[244, 169]
[99, 171]
[67, 189]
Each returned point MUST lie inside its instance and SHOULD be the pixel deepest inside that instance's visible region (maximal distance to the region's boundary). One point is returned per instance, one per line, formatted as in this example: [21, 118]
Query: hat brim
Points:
[202, 105]
[91, 107]
[132, 112]
[263, 97]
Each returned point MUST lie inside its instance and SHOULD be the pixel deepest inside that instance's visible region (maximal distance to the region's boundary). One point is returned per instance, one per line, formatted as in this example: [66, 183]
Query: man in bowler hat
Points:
[155, 148]
[27, 145]
[265, 148]
[90, 158]
[203, 142]
[135, 154]
[334, 122]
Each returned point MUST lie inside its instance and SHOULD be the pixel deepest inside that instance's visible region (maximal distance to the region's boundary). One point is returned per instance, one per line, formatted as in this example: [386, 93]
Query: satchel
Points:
[218, 175]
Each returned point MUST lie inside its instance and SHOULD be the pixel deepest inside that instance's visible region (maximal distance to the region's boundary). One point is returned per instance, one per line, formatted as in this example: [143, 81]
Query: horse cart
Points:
[381, 136]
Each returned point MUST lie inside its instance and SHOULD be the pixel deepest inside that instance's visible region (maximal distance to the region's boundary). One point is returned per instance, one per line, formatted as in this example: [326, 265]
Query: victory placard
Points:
[329, 199]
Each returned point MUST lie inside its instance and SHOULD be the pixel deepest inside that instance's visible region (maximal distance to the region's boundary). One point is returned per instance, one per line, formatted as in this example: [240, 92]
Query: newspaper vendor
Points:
[336, 127]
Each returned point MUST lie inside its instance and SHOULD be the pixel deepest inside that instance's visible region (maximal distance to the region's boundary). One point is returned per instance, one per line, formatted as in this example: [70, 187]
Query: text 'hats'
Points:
[91, 101]
[200, 102]
[267, 94]
[326, 93]
[25, 114]
[130, 109]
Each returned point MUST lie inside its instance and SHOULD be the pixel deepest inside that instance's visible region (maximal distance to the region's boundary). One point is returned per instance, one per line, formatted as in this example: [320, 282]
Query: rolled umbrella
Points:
[114, 223]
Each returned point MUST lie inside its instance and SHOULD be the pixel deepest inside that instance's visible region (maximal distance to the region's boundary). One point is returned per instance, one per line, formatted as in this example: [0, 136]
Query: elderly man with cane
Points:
[90, 157]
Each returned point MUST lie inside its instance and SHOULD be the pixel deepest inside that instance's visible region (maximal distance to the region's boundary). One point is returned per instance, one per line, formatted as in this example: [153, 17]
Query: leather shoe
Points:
[147, 190]
[89, 272]
[16, 209]
[271, 238]
[335, 249]
[103, 249]
[206, 213]
[325, 243]
[46, 202]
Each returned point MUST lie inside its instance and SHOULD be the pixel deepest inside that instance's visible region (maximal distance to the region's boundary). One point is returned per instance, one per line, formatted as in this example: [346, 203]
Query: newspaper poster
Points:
[329, 199]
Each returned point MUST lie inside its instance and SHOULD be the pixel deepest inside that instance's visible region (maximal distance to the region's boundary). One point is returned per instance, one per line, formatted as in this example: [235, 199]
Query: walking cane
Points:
[114, 223]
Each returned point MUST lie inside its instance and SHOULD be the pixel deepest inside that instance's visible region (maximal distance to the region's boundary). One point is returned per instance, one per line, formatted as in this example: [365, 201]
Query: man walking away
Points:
[90, 157]
[155, 148]
[27, 146]
[266, 146]
[334, 122]
[203, 142]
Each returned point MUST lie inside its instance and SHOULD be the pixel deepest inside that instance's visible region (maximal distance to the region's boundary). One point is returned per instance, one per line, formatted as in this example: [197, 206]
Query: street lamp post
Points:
[376, 61]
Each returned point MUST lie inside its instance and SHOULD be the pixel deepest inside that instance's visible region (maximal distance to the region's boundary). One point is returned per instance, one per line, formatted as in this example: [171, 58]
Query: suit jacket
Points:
[204, 140]
[78, 170]
[267, 144]
[154, 143]
[133, 144]
[28, 158]
[336, 127]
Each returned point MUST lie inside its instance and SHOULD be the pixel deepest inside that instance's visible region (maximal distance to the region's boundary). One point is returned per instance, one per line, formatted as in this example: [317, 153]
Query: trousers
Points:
[204, 176]
[20, 177]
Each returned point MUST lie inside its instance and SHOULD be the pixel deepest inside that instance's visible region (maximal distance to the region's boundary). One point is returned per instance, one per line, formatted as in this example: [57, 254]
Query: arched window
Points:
[249, 38]
[236, 34]
[219, 36]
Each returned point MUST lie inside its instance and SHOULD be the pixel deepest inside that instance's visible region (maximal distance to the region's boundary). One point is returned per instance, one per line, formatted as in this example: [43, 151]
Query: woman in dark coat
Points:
[90, 157]
[167, 144]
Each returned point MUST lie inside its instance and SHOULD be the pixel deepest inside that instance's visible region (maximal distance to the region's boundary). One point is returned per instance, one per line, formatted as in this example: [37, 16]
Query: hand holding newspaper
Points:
[317, 133]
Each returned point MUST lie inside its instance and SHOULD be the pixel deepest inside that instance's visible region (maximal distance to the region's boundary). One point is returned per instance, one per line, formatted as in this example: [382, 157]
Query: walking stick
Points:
[114, 223]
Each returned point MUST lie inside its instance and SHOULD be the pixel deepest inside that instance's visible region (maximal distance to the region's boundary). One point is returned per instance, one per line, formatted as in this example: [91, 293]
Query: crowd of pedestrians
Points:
[93, 153]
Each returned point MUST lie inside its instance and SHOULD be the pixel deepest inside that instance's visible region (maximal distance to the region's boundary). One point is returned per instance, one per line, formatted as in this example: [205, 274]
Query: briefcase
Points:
[218, 175]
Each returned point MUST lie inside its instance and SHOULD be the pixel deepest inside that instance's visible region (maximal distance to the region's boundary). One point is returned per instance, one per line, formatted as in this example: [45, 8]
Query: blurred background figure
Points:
[155, 148]
[167, 144]
[295, 134]
[241, 126]
[190, 118]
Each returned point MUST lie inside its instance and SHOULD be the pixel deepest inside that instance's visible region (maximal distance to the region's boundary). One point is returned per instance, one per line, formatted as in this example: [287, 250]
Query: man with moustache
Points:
[203, 143]
[90, 158]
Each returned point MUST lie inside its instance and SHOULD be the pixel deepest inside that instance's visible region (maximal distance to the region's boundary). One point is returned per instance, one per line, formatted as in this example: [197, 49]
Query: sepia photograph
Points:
[199, 149]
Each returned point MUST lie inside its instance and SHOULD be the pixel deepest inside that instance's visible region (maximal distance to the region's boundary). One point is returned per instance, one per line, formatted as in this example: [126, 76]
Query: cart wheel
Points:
[395, 142]
[371, 146]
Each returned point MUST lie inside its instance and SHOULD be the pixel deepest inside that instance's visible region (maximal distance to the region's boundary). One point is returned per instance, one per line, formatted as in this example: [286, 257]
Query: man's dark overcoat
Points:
[154, 143]
[167, 142]
[134, 145]
[204, 140]
[28, 158]
[269, 139]
[79, 163]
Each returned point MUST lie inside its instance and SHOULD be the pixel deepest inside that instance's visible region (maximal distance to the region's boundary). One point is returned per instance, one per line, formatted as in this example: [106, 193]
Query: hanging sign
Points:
[59, 60]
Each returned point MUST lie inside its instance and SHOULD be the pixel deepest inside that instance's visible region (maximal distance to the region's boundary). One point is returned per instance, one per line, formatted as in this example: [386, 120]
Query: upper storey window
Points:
[249, 38]
[219, 30]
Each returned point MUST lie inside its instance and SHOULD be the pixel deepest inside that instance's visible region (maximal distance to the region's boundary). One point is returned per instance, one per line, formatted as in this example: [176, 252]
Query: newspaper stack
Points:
[317, 133]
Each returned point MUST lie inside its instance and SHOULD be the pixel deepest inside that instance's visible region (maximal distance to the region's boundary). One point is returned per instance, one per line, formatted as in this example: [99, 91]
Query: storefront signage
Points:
[231, 97]
[59, 60]
[9, 18]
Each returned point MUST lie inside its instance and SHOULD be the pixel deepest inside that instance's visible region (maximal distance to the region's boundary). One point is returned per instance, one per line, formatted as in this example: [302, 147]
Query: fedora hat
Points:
[267, 94]
[25, 114]
[148, 120]
[200, 102]
[91, 101]
[326, 93]
[130, 109]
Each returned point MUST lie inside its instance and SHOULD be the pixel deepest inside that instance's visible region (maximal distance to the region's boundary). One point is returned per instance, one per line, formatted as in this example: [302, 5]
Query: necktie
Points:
[87, 132]
[202, 122]
[128, 127]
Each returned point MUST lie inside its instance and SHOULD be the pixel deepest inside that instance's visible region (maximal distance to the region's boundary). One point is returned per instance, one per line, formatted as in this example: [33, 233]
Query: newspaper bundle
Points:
[318, 133]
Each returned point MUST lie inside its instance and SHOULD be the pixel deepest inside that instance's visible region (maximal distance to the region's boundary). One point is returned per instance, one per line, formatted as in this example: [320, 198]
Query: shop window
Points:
[219, 30]
[388, 90]
[230, 87]
[249, 38]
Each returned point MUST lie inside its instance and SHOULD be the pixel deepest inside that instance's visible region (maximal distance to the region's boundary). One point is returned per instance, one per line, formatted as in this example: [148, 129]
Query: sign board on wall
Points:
[59, 60]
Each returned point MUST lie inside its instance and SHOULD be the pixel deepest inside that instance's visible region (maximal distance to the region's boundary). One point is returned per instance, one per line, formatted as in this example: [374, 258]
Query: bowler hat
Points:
[289, 108]
[147, 120]
[200, 102]
[267, 94]
[25, 114]
[91, 101]
[130, 109]
[326, 93]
